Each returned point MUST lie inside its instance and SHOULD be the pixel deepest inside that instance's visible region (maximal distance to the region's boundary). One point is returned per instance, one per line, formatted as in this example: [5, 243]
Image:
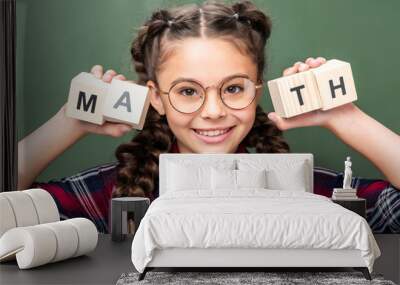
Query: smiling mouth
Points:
[213, 133]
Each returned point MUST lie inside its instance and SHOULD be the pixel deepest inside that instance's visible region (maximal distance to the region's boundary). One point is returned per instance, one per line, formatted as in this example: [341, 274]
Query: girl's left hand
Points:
[312, 118]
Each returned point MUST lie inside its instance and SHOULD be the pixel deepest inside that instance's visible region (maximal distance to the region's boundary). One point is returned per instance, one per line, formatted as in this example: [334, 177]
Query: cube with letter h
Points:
[325, 87]
[93, 100]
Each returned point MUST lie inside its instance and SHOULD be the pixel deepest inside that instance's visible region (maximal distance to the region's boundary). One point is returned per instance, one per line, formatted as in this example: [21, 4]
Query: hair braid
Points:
[265, 137]
[138, 159]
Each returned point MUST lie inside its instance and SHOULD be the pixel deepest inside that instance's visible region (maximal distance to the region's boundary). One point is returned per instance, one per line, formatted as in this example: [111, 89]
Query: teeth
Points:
[212, 133]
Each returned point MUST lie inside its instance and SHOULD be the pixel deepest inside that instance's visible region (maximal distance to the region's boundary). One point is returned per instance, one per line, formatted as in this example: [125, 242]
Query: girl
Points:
[196, 61]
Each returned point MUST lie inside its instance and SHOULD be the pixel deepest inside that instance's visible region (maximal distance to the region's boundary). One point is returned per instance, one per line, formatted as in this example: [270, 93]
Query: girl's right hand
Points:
[38, 149]
[108, 128]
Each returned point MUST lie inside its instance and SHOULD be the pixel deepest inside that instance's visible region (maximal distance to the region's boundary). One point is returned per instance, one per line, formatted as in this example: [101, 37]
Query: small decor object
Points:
[126, 214]
[347, 174]
[347, 192]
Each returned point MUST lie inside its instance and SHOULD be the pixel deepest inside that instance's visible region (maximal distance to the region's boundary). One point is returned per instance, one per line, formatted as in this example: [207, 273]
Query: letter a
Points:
[121, 102]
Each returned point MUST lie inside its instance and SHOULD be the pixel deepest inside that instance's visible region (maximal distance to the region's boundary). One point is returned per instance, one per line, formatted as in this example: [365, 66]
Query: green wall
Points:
[57, 39]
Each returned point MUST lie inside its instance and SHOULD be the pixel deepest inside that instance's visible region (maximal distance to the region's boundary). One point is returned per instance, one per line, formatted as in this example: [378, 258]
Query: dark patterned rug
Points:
[230, 278]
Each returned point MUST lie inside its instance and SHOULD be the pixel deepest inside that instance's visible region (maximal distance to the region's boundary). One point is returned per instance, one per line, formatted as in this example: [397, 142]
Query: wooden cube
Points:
[86, 98]
[126, 102]
[335, 83]
[93, 100]
[325, 87]
[294, 94]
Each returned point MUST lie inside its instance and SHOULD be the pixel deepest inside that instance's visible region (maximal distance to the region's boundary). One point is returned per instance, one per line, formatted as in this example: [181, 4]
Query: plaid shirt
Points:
[88, 194]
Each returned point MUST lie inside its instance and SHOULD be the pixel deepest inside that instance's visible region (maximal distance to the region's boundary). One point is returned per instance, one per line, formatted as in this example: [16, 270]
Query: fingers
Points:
[278, 121]
[111, 74]
[321, 59]
[108, 128]
[313, 118]
[115, 130]
[290, 70]
[120, 77]
[297, 67]
[282, 123]
[297, 63]
[315, 62]
[98, 71]
[108, 75]
[304, 66]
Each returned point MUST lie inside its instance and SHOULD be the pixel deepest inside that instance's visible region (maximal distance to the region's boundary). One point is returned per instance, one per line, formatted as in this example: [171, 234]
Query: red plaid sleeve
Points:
[86, 194]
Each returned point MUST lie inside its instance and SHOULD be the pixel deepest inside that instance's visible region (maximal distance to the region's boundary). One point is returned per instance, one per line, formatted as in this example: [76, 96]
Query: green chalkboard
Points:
[57, 39]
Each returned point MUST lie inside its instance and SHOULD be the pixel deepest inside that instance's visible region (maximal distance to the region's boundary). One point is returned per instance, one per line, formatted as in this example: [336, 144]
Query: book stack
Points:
[344, 194]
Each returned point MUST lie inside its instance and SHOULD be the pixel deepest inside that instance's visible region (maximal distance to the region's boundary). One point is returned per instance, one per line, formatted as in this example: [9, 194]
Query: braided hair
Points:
[246, 26]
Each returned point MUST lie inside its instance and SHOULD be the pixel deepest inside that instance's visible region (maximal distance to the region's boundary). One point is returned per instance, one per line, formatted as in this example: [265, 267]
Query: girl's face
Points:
[207, 61]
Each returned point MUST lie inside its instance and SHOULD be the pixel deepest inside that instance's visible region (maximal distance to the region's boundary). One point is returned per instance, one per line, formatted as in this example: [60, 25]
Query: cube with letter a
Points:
[86, 97]
[127, 103]
[294, 94]
[335, 83]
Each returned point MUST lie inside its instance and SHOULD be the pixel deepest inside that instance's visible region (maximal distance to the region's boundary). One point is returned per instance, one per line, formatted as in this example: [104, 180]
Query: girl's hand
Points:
[38, 149]
[108, 128]
[312, 118]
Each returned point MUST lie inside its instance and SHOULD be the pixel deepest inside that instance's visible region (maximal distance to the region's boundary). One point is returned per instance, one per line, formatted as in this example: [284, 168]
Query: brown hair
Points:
[245, 26]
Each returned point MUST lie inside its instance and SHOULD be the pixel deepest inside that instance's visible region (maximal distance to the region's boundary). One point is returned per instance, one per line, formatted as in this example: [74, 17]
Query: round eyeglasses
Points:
[188, 96]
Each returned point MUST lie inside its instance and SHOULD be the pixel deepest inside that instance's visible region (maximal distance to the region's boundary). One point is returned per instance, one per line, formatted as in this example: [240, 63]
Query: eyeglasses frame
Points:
[218, 86]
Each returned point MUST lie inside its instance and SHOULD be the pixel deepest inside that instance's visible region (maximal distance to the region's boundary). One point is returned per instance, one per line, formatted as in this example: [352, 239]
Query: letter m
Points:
[86, 105]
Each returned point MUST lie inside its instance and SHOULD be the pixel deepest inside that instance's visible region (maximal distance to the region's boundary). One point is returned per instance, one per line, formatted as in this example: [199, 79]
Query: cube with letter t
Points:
[325, 87]
[93, 100]
[294, 94]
